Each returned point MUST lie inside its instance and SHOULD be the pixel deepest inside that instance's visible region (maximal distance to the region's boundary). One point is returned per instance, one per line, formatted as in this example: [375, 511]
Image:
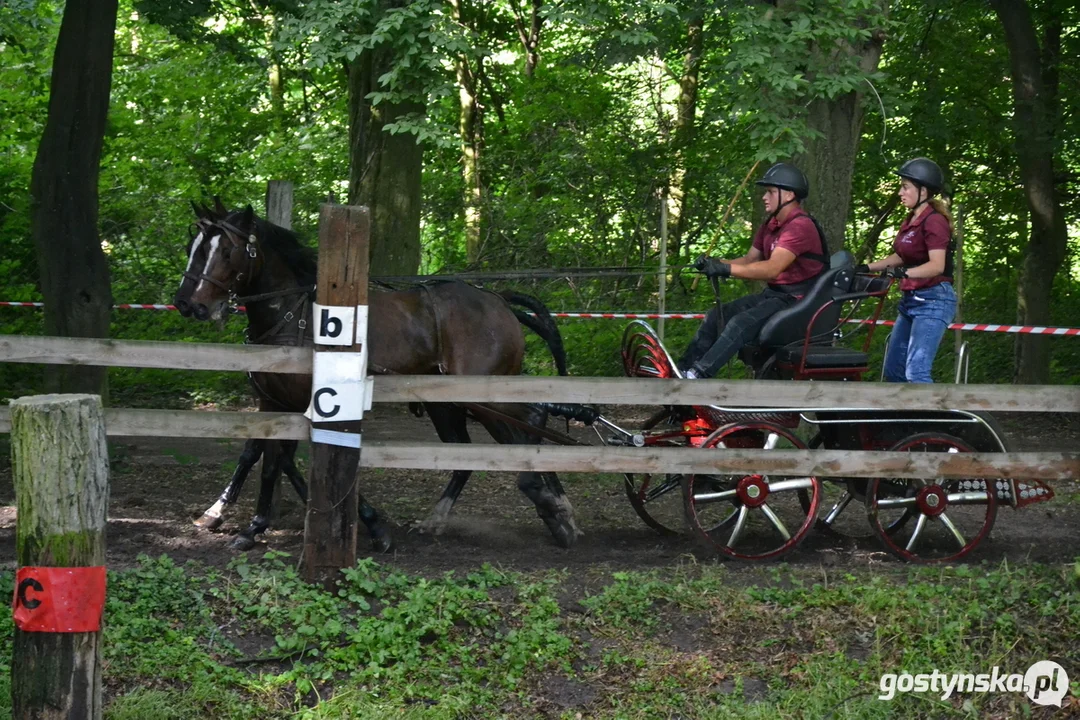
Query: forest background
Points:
[513, 136]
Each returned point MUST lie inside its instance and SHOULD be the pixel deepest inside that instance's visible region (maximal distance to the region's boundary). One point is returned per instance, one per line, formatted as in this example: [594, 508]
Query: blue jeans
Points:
[922, 321]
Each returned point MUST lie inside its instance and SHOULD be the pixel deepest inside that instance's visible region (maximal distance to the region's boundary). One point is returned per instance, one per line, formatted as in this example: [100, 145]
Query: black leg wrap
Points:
[581, 413]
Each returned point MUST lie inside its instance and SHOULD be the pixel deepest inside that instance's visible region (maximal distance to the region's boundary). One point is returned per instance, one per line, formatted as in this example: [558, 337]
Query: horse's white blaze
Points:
[195, 244]
[194, 249]
[210, 257]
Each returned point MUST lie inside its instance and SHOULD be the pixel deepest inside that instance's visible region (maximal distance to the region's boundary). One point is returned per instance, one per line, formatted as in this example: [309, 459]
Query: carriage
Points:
[759, 516]
[749, 517]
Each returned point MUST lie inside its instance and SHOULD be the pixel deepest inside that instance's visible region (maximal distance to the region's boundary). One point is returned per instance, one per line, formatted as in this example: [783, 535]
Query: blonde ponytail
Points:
[942, 207]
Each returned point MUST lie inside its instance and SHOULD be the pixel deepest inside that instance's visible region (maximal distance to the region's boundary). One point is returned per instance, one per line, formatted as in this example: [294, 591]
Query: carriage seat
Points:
[781, 338]
[789, 325]
[822, 356]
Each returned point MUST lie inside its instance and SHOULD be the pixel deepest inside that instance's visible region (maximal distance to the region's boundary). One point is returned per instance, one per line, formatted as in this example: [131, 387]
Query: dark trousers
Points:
[711, 348]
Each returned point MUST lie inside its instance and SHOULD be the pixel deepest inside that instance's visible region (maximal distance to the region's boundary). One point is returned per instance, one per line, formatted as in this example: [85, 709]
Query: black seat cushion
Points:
[823, 356]
[789, 325]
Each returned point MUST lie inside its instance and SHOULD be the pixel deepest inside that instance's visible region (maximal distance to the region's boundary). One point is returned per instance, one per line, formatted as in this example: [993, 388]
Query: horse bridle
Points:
[238, 240]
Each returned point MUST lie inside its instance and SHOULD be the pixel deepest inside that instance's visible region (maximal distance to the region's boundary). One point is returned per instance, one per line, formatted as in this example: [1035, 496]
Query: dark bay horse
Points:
[444, 327]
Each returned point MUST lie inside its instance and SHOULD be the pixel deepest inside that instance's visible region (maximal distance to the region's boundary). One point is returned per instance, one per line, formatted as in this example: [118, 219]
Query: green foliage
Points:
[215, 97]
[703, 642]
[446, 642]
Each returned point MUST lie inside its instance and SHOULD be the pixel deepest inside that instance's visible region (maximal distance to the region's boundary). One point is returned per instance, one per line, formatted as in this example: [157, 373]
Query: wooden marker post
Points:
[339, 393]
[61, 469]
[279, 203]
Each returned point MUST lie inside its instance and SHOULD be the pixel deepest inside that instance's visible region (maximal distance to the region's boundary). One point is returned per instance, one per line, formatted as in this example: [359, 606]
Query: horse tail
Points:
[540, 323]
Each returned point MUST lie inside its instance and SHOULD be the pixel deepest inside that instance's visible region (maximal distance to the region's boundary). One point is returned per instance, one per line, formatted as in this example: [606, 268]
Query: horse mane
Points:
[302, 259]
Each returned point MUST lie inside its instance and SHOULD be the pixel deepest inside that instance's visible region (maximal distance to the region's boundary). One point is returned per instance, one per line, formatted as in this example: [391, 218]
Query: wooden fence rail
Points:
[751, 394]
[592, 390]
[197, 424]
[153, 354]
[820, 463]
[598, 458]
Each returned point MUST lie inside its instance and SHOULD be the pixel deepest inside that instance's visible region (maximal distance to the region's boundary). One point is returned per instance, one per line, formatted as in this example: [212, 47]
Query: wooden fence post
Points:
[279, 207]
[279, 203]
[338, 392]
[61, 473]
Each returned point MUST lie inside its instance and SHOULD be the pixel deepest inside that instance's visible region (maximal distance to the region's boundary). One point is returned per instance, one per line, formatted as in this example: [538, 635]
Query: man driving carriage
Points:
[788, 252]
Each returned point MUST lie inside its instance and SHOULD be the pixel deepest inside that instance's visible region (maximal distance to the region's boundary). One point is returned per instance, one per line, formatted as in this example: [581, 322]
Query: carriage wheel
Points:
[657, 499]
[944, 519]
[751, 517]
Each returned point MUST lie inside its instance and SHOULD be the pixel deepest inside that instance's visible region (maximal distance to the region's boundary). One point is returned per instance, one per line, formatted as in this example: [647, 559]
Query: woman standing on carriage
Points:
[922, 260]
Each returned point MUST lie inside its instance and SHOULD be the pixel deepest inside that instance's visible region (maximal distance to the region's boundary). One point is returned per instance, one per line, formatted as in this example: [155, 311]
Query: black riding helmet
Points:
[924, 172]
[788, 177]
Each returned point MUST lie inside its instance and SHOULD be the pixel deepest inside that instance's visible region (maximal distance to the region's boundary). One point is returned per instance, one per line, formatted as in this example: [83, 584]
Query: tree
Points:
[384, 168]
[64, 189]
[1035, 114]
[842, 64]
[685, 125]
[471, 129]
[392, 52]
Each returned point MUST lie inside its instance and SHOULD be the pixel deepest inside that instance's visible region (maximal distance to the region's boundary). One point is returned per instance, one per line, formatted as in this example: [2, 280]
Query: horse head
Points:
[222, 259]
[196, 254]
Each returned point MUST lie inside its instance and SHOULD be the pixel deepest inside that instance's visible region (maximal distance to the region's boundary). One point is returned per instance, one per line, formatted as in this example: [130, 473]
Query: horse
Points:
[444, 327]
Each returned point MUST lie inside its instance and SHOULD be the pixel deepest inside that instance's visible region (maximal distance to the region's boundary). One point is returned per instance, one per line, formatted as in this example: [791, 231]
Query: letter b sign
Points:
[334, 325]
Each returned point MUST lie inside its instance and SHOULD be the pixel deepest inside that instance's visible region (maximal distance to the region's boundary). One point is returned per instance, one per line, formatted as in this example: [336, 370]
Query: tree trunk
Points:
[384, 169]
[64, 189]
[1035, 116]
[470, 126]
[61, 477]
[829, 161]
[684, 131]
[529, 34]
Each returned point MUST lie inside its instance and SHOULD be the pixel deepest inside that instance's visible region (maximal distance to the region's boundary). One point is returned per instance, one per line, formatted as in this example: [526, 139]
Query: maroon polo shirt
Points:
[798, 235]
[929, 231]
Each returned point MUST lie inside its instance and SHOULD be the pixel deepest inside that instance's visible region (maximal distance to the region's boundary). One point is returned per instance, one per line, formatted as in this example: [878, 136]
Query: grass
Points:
[255, 641]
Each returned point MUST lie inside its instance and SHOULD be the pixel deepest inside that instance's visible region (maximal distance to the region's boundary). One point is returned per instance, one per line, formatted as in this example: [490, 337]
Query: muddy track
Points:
[160, 485]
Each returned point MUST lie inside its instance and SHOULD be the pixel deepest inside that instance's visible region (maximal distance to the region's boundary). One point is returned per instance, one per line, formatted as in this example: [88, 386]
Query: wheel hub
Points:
[932, 500]
[753, 491]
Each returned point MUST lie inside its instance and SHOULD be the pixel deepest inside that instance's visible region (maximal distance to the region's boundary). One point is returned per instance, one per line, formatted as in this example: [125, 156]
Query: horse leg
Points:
[271, 471]
[552, 505]
[542, 488]
[378, 531]
[213, 517]
[288, 465]
[449, 423]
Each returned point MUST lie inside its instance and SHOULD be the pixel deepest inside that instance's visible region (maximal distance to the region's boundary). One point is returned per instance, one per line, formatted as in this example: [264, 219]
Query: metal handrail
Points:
[963, 362]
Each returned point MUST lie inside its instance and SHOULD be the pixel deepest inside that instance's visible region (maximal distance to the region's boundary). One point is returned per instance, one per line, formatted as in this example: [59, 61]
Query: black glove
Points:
[863, 269]
[898, 272]
[712, 268]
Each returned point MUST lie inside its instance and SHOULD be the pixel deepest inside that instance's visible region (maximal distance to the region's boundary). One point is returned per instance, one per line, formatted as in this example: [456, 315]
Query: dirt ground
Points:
[160, 485]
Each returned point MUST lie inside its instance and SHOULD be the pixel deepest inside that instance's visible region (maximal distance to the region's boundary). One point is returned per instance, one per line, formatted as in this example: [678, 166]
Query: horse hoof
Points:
[565, 534]
[431, 527]
[242, 543]
[209, 522]
[382, 544]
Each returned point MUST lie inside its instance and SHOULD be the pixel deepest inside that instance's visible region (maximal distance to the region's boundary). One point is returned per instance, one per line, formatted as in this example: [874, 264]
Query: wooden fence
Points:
[750, 394]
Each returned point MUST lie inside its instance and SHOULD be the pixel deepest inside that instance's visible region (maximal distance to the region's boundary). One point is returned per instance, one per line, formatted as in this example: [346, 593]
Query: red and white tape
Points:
[977, 327]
